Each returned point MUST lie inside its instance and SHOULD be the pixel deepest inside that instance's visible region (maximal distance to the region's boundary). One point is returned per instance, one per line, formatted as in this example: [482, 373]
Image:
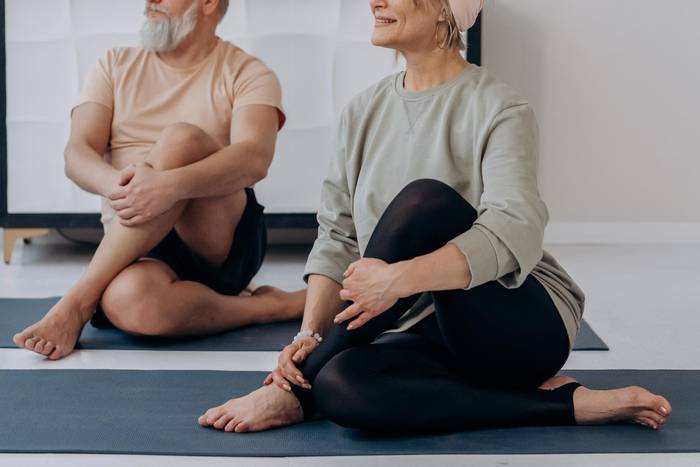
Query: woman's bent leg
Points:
[405, 384]
[423, 217]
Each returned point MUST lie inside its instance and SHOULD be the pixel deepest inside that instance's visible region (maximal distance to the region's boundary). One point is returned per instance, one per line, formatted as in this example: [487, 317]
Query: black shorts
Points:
[242, 263]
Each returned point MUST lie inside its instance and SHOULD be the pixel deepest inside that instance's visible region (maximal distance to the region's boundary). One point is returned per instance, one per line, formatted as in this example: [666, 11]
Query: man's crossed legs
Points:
[145, 296]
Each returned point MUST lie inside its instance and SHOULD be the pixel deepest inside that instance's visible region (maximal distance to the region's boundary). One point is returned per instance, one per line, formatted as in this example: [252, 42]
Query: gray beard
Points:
[167, 34]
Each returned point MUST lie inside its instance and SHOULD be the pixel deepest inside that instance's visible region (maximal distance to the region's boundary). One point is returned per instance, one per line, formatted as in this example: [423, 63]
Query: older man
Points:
[172, 135]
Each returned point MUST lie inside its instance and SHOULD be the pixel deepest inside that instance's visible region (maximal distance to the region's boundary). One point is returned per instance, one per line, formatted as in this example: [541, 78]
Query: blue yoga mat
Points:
[18, 313]
[155, 412]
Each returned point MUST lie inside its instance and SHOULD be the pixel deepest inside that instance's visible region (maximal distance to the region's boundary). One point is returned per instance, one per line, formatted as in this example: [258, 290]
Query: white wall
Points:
[615, 85]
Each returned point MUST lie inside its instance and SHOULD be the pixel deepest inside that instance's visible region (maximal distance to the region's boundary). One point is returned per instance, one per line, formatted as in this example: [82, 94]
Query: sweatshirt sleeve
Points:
[505, 241]
[336, 244]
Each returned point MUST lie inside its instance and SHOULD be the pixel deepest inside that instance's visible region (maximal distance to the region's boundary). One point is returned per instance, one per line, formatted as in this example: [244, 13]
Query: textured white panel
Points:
[106, 16]
[234, 24]
[90, 48]
[356, 20]
[294, 181]
[304, 65]
[36, 20]
[292, 17]
[359, 65]
[36, 179]
[41, 79]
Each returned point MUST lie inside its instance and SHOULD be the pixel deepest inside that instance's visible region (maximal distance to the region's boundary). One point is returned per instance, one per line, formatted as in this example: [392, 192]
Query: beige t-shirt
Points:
[146, 95]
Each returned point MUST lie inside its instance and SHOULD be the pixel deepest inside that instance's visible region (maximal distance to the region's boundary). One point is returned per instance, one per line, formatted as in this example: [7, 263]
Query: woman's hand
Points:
[374, 286]
[286, 370]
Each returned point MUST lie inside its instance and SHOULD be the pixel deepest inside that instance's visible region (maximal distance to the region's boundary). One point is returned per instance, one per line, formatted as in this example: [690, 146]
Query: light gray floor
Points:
[643, 300]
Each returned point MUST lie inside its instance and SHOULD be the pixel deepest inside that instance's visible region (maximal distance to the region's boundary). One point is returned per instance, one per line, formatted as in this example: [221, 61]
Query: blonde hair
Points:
[452, 39]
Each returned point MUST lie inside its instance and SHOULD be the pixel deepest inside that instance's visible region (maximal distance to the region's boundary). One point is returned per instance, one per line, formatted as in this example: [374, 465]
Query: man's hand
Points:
[143, 195]
[374, 286]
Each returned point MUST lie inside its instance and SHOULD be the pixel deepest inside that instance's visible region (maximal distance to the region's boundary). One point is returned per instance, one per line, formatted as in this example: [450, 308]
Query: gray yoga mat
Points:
[18, 313]
[155, 412]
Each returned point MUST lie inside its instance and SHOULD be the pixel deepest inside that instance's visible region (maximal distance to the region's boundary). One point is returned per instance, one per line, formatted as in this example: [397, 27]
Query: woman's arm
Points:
[322, 303]
[444, 269]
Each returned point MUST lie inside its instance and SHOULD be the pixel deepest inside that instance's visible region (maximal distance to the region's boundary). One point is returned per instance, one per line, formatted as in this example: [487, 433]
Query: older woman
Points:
[431, 304]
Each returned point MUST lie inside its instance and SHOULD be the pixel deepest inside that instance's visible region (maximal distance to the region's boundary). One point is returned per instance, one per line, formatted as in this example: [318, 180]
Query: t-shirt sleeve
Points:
[505, 241]
[258, 84]
[98, 85]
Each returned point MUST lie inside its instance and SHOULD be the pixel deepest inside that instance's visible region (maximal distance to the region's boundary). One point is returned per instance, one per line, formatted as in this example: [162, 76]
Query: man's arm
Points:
[244, 162]
[89, 136]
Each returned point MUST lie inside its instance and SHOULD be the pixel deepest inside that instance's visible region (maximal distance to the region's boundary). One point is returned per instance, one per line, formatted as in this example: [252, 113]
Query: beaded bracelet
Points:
[308, 333]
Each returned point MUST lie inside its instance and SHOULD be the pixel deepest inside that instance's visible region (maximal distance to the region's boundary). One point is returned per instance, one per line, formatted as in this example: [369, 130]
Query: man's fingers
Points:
[127, 213]
[118, 194]
[119, 204]
[347, 313]
[134, 221]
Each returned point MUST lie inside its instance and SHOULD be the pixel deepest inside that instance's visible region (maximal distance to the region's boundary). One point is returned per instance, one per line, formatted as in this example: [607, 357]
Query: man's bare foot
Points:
[266, 407]
[57, 332]
[557, 381]
[283, 305]
[632, 404]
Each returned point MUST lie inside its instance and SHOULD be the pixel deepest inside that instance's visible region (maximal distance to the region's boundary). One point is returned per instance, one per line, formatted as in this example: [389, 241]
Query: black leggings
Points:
[476, 362]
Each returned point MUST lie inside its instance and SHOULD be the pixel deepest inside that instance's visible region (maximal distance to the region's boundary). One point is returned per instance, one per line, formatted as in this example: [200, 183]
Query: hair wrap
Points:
[466, 12]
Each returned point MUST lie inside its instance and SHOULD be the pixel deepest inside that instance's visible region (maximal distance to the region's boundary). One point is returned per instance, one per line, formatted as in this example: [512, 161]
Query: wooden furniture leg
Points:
[10, 236]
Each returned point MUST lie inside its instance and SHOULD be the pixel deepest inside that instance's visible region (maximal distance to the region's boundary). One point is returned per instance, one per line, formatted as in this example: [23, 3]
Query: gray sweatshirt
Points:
[472, 132]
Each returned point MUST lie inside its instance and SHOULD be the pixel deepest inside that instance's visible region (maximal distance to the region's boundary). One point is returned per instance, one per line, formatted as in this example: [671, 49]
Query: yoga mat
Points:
[18, 313]
[155, 412]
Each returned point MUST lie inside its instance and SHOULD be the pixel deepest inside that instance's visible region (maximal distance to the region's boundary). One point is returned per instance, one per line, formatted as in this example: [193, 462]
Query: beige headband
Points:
[466, 12]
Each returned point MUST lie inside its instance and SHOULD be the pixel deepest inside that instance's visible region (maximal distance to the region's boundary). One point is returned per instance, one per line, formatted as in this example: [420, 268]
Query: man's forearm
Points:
[322, 303]
[224, 172]
[87, 169]
[444, 269]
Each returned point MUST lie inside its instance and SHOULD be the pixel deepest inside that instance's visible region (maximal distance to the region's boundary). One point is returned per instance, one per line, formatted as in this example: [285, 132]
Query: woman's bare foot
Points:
[283, 305]
[632, 404]
[557, 381]
[266, 407]
[57, 332]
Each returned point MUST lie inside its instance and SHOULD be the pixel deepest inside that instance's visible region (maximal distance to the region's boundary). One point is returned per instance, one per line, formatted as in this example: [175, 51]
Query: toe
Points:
[222, 421]
[30, 343]
[48, 348]
[19, 339]
[231, 425]
[39, 345]
[241, 427]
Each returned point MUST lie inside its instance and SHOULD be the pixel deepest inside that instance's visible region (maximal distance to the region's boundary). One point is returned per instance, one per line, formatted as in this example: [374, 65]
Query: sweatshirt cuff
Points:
[480, 254]
[323, 268]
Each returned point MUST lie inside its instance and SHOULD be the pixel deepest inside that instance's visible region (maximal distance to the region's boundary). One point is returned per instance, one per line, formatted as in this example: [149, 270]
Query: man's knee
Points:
[181, 144]
[132, 303]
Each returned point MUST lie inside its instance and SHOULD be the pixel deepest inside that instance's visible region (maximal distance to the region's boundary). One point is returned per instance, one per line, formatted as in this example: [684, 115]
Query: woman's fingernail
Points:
[350, 327]
[287, 387]
[300, 379]
[307, 386]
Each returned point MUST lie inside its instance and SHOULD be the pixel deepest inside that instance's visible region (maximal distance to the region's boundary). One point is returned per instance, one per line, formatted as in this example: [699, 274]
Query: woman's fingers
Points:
[293, 375]
[359, 321]
[280, 380]
[350, 312]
